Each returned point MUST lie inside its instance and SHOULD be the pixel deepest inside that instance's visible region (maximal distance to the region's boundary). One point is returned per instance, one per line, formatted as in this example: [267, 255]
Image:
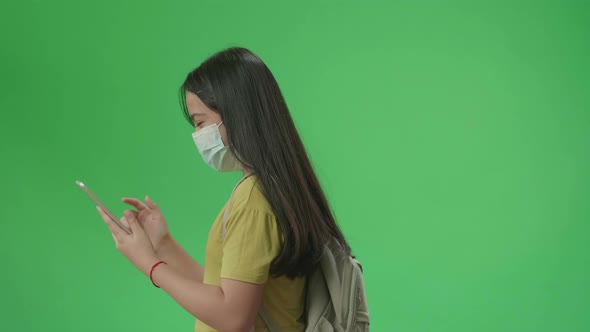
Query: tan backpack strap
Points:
[333, 282]
[226, 212]
[266, 318]
[262, 311]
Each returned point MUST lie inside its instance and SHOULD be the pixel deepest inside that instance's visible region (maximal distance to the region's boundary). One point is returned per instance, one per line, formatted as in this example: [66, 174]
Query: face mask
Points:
[214, 152]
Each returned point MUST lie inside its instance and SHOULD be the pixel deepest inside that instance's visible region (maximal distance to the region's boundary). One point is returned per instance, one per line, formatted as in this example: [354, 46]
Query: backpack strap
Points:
[262, 311]
[267, 320]
[226, 212]
[330, 269]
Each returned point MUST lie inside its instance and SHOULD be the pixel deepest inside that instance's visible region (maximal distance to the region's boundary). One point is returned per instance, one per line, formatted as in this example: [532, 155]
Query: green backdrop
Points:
[452, 140]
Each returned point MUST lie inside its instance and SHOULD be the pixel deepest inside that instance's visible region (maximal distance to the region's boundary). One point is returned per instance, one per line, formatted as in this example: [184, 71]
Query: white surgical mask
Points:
[214, 152]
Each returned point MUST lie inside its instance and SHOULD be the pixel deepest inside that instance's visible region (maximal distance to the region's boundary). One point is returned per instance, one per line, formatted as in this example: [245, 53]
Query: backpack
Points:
[335, 295]
[335, 298]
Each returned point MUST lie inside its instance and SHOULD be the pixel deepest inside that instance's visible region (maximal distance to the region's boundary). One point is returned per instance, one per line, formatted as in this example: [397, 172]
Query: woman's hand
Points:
[151, 220]
[135, 246]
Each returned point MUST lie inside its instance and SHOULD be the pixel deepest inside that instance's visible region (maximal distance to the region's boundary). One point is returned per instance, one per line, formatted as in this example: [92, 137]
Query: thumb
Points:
[131, 221]
[150, 203]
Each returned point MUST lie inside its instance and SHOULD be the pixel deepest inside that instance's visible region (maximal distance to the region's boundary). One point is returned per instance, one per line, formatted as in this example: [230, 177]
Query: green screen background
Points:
[452, 140]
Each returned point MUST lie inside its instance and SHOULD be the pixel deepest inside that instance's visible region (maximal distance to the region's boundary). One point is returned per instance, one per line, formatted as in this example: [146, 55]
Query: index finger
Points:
[136, 203]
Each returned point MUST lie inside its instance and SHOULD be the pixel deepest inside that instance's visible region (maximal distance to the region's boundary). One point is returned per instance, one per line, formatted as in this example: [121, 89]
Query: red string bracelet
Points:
[152, 271]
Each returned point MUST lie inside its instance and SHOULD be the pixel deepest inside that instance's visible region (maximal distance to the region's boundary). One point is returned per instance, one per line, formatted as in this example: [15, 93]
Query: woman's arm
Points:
[176, 257]
[232, 307]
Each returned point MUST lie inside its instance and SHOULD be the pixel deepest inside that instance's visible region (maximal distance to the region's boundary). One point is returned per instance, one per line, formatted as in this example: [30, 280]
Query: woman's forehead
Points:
[195, 106]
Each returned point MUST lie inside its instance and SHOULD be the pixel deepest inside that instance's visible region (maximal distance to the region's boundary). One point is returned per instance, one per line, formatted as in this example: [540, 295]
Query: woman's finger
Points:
[124, 221]
[115, 230]
[139, 205]
[132, 223]
[151, 204]
[130, 217]
[134, 213]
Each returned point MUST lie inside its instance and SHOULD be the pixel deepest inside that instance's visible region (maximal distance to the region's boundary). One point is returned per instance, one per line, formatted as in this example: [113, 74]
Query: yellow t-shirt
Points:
[252, 240]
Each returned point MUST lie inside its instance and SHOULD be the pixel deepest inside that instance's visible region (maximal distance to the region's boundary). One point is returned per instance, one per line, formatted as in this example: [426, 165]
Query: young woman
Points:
[277, 220]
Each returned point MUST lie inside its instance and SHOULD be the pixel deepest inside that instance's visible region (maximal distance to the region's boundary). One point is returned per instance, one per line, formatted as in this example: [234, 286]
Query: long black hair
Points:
[260, 131]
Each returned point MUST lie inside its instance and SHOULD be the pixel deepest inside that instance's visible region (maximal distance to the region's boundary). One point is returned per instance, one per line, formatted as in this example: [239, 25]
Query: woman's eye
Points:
[199, 124]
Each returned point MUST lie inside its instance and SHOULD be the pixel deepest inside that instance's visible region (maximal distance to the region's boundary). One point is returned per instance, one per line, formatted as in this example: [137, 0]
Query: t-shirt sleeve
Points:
[252, 241]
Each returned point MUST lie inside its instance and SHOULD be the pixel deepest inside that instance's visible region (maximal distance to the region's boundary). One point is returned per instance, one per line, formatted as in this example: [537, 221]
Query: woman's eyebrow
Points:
[196, 114]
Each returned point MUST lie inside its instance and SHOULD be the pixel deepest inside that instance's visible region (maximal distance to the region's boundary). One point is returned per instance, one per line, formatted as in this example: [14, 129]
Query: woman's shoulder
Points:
[250, 195]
